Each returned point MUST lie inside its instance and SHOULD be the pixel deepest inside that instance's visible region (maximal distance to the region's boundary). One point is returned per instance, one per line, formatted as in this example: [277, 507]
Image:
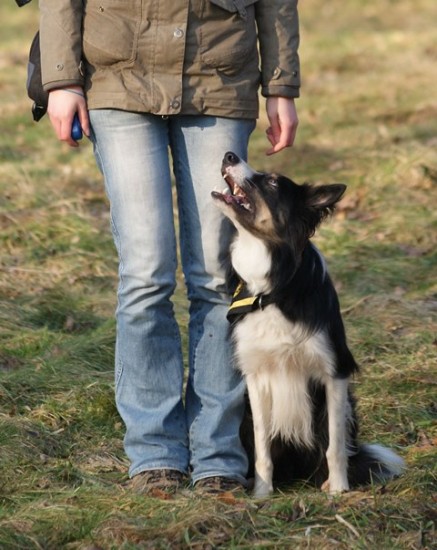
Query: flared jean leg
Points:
[215, 389]
[132, 150]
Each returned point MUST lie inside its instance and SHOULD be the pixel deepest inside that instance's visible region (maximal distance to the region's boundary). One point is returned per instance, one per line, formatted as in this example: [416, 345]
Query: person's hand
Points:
[64, 103]
[282, 115]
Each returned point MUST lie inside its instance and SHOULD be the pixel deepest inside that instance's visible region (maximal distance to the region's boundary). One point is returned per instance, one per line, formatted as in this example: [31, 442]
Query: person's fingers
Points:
[62, 107]
[84, 119]
[281, 112]
[286, 139]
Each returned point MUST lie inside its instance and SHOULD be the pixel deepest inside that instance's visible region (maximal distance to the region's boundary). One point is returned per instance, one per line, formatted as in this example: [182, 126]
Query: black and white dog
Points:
[289, 337]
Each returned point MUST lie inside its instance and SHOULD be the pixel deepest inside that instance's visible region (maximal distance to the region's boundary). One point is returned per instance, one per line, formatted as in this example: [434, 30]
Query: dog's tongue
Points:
[233, 198]
[239, 199]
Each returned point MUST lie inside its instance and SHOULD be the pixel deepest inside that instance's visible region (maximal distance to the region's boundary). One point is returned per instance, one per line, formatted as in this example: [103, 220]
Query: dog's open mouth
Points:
[233, 194]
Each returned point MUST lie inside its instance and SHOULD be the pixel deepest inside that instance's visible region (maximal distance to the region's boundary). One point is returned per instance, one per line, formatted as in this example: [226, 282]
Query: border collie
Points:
[289, 337]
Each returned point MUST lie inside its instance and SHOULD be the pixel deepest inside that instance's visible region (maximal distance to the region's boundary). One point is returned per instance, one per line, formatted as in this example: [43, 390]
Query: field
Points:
[368, 118]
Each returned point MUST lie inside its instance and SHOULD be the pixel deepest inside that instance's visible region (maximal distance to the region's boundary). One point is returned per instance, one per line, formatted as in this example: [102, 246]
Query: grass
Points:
[368, 117]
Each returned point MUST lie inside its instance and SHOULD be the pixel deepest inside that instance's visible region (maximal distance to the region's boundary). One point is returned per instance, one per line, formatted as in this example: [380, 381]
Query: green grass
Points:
[368, 118]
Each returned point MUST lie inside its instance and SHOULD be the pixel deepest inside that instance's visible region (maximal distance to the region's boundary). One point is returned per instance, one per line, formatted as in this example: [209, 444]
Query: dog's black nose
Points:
[231, 158]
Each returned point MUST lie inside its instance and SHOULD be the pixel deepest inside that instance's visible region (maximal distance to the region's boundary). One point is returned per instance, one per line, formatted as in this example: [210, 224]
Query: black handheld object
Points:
[76, 129]
[21, 3]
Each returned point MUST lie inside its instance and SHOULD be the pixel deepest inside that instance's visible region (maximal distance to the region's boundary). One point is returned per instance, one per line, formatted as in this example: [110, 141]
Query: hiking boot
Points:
[155, 482]
[219, 485]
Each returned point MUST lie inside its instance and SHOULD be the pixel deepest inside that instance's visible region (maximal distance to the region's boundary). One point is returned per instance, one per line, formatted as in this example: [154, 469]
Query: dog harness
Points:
[243, 302]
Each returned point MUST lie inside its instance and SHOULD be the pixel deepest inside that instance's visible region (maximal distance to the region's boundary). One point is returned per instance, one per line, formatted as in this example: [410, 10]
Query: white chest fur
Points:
[251, 260]
[273, 353]
[280, 358]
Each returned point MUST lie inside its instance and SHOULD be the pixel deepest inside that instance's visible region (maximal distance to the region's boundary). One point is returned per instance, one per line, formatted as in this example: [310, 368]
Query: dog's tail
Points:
[374, 463]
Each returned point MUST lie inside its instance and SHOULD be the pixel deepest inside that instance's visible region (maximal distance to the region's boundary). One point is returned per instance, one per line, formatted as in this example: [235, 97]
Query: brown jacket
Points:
[172, 56]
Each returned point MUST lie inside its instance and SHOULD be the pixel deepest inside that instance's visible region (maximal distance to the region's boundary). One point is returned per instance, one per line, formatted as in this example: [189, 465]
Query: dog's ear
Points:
[325, 197]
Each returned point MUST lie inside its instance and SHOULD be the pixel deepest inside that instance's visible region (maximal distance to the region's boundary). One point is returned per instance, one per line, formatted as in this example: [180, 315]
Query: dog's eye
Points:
[273, 182]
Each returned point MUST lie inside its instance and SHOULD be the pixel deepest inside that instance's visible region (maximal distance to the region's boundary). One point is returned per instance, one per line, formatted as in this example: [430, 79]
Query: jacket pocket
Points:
[110, 31]
[228, 37]
[234, 5]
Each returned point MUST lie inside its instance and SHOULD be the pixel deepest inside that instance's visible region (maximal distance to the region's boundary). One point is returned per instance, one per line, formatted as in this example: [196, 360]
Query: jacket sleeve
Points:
[61, 43]
[278, 34]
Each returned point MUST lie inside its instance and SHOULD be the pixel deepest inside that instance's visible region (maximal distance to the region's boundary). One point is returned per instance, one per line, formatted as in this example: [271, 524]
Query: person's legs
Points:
[132, 151]
[215, 390]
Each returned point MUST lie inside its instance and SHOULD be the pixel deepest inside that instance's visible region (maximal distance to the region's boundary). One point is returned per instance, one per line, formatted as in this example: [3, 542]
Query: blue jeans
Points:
[198, 433]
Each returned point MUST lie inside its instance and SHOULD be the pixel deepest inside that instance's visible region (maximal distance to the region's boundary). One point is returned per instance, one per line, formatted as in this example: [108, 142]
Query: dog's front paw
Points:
[262, 489]
[335, 487]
